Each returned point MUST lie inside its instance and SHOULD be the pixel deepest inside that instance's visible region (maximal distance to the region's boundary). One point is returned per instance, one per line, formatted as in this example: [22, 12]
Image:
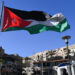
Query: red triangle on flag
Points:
[12, 20]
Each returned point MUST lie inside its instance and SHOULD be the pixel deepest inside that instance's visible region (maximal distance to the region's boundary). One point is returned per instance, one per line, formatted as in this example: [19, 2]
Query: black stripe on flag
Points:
[34, 15]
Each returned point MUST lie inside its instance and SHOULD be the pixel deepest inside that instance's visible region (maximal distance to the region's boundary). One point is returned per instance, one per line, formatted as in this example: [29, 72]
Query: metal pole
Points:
[2, 7]
[42, 64]
[68, 57]
[68, 51]
[66, 38]
[1, 27]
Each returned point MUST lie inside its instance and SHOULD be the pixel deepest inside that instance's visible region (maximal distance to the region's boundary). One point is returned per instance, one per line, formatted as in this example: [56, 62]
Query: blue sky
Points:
[25, 44]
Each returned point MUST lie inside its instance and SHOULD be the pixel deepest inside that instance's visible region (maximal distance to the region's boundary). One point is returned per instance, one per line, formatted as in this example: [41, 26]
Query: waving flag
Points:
[33, 21]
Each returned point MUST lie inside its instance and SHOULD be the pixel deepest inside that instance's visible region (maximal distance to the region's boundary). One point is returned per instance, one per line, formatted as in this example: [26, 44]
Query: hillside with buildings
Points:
[60, 52]
[46, 61]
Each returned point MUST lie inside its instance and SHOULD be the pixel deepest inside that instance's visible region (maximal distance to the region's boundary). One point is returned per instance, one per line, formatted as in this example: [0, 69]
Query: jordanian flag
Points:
[33, 21]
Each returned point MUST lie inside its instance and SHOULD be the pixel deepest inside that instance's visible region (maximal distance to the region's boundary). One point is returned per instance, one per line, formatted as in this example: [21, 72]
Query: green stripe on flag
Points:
[62, 26]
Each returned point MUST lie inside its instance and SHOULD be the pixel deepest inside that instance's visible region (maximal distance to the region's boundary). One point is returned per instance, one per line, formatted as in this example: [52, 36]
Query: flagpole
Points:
[1, 21]
[2, 8]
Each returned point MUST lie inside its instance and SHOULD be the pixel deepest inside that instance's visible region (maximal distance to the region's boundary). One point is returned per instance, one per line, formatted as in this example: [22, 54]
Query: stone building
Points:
[49, 54]
[47, 61]
[27, 66]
